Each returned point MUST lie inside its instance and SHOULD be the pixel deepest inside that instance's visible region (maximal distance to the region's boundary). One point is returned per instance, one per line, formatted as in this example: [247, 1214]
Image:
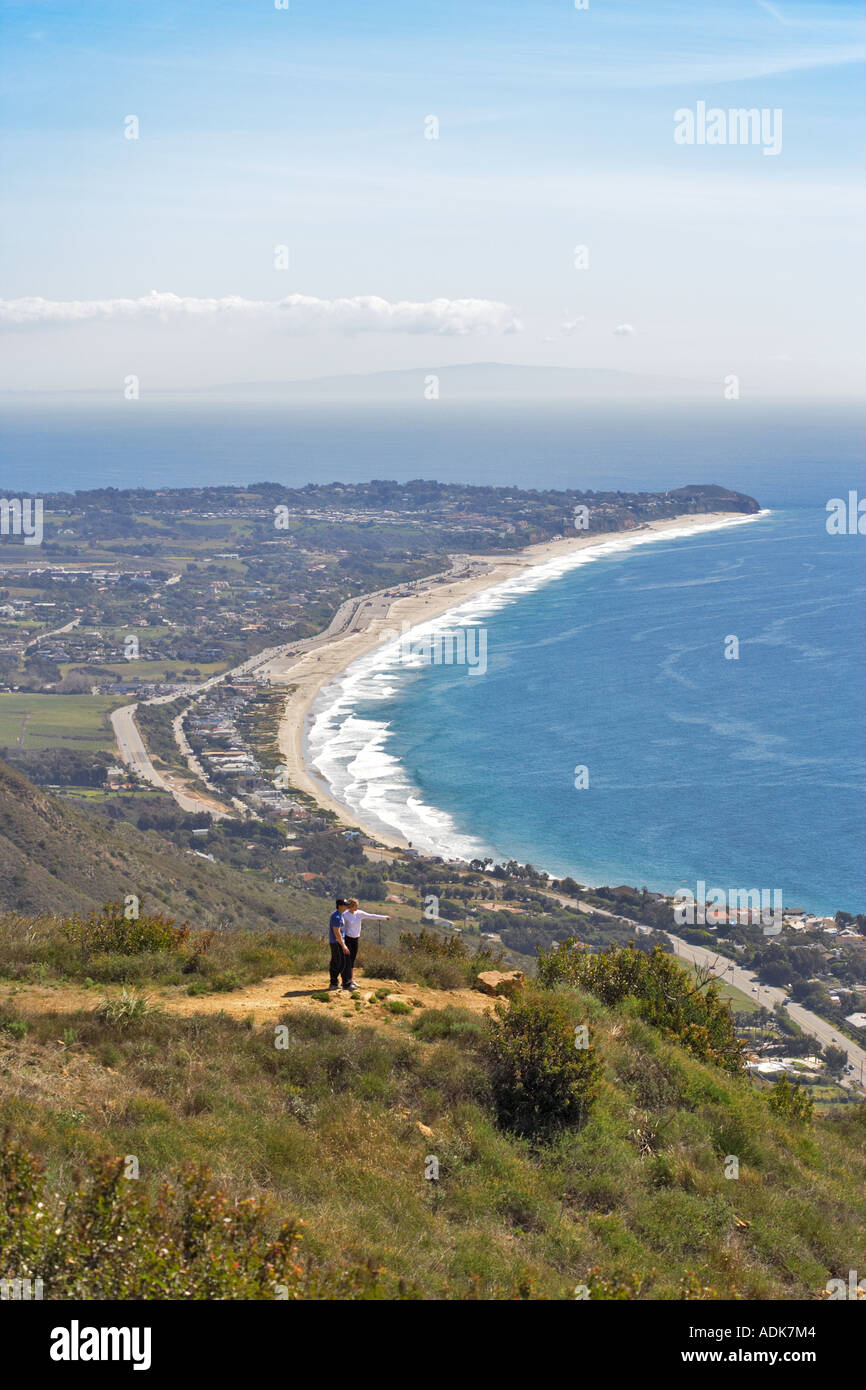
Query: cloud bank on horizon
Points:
[298, 313]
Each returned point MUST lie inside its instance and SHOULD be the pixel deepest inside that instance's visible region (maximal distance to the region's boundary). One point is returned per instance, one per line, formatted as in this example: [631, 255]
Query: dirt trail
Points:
[262, 1002]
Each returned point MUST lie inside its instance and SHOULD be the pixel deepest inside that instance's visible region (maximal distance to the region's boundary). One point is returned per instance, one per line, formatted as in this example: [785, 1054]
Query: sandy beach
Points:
[310, 673]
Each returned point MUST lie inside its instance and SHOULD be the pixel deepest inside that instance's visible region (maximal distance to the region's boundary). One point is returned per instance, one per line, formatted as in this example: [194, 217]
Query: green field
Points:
[101, 794]
[51, 721]
[150, 670]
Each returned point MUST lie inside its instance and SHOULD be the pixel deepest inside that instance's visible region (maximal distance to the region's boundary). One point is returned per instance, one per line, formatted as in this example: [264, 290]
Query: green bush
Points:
[688, 1010]
[541, 1081]
[791, 1102]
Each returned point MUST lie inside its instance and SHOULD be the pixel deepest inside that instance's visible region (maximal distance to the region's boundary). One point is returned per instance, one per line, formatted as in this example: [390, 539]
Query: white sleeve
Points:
[374, 916]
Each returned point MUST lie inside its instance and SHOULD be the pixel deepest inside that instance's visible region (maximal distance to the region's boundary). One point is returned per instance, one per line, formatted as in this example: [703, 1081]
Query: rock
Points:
[425, 1130]
[499, 982]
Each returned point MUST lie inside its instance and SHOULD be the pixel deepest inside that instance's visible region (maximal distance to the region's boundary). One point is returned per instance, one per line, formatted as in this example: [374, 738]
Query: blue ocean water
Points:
[741, 773]
[786, 455]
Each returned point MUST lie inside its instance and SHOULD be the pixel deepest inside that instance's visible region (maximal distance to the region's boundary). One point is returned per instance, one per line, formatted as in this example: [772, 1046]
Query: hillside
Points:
[422, 1163]
[55, 858]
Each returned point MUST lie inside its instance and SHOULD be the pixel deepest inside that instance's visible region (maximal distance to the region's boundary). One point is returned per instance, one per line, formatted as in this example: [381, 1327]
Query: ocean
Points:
[787, 455]
[618, 734]
[744, 772]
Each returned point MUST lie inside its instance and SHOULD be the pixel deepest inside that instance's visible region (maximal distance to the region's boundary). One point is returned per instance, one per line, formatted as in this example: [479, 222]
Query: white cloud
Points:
[572, 324]
[297, 313]
[624, 330]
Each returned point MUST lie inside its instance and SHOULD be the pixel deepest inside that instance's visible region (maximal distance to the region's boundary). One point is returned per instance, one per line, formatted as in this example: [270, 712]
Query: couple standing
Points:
[344, 933]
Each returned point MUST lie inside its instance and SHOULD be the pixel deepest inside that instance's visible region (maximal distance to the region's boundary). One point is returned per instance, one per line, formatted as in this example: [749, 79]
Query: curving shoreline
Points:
[312, 673]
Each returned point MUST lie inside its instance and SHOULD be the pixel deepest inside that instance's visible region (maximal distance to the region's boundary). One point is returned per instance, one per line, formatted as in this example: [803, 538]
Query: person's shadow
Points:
[302, 993]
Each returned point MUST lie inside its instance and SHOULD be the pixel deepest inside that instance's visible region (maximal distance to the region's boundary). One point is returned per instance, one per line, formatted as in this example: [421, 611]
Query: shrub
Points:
[540, 1080]
[13, 1025]
[791, 1102]
[441, 974]
[436, 1024]
[443, 962]
[126, 1009]
[385, 965]
[111, 932]
[309, 1026]
[226, 982]
[686, 1009]
[429, 944]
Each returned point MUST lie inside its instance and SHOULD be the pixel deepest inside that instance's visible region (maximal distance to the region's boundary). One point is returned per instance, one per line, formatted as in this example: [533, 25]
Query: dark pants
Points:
[341, 964]
[352, 942]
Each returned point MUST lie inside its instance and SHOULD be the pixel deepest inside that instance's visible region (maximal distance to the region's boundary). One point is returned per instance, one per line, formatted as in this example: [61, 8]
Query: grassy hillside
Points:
[58, 859]
[611, 1176]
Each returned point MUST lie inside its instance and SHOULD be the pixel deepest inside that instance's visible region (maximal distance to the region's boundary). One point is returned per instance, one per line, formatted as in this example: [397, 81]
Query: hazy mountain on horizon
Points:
[459, 381]
[471, 380]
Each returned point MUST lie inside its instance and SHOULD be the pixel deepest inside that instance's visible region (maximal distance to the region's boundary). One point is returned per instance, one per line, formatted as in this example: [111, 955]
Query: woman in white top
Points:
[352, 919]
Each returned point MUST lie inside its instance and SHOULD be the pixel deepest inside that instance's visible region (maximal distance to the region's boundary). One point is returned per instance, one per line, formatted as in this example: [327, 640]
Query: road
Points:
[134, 754]
[767, 995]
[55, 632]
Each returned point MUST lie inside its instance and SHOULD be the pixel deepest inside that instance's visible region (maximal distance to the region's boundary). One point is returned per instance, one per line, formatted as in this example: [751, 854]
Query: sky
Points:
[284, 212]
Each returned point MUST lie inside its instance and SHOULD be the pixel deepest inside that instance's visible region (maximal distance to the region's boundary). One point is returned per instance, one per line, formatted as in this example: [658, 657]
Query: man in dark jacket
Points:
[341, 960]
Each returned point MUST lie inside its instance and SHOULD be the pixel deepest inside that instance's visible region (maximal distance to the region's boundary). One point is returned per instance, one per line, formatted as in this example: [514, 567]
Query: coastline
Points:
[311, 673]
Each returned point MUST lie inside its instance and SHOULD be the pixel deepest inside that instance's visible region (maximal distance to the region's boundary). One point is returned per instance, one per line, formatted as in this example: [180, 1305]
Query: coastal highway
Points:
[55, 632]
[134, 754]
[767, 995]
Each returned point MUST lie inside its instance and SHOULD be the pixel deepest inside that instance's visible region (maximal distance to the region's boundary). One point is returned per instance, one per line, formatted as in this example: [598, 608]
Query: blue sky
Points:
[306, 128]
